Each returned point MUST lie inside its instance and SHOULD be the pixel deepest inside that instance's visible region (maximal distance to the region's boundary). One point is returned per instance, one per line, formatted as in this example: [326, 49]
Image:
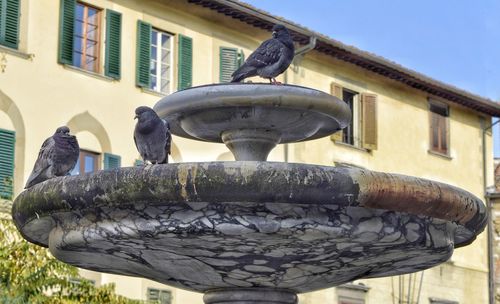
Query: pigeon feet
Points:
[273, 81]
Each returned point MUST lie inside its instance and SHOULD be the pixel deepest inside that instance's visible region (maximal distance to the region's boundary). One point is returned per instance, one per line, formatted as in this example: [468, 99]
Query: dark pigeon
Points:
[57, 157]
[152, 136]
[270, 59]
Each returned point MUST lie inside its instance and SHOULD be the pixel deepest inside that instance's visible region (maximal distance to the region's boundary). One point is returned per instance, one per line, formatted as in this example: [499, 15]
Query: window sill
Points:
[341, 143]
[89, 73]
[153, 92]
[438, 154]
[14, 52]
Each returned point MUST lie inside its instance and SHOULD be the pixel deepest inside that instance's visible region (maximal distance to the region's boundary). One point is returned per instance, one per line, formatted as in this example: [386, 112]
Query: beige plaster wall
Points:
[38, 95]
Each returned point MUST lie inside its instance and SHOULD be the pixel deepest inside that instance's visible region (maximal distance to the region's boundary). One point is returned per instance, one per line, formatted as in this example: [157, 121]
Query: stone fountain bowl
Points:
[226, 225]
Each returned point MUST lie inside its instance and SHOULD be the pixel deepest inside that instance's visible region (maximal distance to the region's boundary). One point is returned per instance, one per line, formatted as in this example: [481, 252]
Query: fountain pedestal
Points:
[249, 231]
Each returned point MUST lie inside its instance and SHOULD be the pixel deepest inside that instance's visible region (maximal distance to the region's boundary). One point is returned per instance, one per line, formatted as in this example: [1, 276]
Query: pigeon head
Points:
[62, 130]
[143, 113]
[147, 118]
[280, 32]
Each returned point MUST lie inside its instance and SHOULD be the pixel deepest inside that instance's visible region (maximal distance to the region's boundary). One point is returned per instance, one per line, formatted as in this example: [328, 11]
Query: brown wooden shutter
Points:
[336, 90]
[369, 123]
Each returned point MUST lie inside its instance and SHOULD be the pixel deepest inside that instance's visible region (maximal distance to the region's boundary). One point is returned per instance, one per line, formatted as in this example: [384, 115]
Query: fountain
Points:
[249, 231]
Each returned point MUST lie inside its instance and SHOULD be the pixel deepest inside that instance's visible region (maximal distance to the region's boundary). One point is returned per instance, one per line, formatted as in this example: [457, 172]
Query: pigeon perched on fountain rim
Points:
[57, 157]
[270, 59]
[152, 136]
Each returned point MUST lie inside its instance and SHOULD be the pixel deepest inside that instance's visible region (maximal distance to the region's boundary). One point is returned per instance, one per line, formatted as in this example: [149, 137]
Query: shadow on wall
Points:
[9, 107]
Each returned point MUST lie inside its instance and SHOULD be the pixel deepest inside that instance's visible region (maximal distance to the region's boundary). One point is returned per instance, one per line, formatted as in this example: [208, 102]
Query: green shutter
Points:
[9, 23]
[111, 161]
[143, 77]
[185, 68]
[113, 44]
[228, 63]
[138, 162]
[7, 142]
[241, 58]
[66, 31]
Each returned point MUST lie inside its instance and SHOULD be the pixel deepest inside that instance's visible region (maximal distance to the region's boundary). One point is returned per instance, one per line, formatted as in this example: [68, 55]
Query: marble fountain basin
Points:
[204, 226]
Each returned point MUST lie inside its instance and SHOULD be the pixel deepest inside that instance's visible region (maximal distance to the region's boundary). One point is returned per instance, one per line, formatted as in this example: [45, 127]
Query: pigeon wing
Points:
[268, 53]
[43, 162]
[169, 137]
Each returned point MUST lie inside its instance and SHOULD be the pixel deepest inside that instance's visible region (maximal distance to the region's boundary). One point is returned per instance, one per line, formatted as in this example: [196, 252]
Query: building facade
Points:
[89, 64]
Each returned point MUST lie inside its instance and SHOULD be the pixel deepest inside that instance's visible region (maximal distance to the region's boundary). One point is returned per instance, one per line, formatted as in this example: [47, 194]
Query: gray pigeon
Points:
[270, 59]
[58, 155]
[152, 136]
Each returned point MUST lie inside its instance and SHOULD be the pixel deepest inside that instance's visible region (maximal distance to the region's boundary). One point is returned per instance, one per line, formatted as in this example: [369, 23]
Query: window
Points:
[230, 60]
[362, 131]
[352, 293]
[159, 296]
[87, 162]
[9, 23]
[439, 134]
[7, 144]
[350, 135]
[87, 37]
[161, 62]
[80, 38]
[154, 68]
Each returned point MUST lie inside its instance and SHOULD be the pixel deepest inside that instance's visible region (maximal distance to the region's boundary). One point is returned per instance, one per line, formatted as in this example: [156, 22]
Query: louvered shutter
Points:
[369, 121]
[9, 23]
[112, 161]
[228, 63]
[113, 44]
[241, 58]
[336, 90]
[143, 61]
[185, 67]
[66, 31]
[7, 143]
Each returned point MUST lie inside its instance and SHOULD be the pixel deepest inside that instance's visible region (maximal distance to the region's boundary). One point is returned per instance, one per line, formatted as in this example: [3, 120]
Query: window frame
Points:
[355, 125]
[159, 62]
[81, 164]
[160, 291]
[98, 52]
[443, 121]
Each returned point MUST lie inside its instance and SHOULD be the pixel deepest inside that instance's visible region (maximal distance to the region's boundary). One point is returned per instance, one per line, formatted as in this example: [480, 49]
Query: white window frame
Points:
[158, 58]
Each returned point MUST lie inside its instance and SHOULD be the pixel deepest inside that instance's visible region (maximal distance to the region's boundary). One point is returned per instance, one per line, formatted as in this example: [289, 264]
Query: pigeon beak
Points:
[136, 116]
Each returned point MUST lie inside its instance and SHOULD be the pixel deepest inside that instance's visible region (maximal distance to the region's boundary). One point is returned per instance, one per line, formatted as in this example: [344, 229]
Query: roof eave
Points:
[379, 65]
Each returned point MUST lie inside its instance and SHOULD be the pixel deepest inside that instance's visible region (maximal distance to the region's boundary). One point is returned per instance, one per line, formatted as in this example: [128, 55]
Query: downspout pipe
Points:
[298, 52]
[491, 270]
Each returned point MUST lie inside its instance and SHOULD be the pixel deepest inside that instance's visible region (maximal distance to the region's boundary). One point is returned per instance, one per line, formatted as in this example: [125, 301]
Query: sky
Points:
[454, 41]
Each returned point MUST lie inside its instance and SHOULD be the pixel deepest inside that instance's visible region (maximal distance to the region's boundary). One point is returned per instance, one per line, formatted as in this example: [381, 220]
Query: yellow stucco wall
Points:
[37, 95]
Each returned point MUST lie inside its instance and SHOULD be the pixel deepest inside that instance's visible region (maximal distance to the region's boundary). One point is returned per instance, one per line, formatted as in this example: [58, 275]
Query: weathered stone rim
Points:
[332, 113]
[226, 182]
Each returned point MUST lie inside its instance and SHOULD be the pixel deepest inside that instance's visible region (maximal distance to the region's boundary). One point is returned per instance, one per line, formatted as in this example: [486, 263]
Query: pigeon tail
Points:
[243, 72]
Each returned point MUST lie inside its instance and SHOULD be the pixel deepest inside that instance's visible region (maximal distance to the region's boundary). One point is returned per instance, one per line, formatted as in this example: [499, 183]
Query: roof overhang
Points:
[376, 64]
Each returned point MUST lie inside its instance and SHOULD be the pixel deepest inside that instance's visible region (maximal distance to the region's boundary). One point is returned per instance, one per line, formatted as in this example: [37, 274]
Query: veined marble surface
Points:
[201, 226]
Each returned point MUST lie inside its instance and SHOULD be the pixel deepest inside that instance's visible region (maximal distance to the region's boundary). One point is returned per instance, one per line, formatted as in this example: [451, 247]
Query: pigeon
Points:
[57, 157]
[152, 136]
[270, 59]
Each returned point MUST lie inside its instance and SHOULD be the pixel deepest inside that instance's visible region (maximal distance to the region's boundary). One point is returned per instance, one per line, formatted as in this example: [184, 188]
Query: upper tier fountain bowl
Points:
[249, 231]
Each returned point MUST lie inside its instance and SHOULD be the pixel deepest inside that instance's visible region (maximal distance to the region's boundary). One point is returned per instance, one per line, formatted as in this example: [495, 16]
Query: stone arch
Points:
[9, 107]
[226, 156]
[86, 122]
